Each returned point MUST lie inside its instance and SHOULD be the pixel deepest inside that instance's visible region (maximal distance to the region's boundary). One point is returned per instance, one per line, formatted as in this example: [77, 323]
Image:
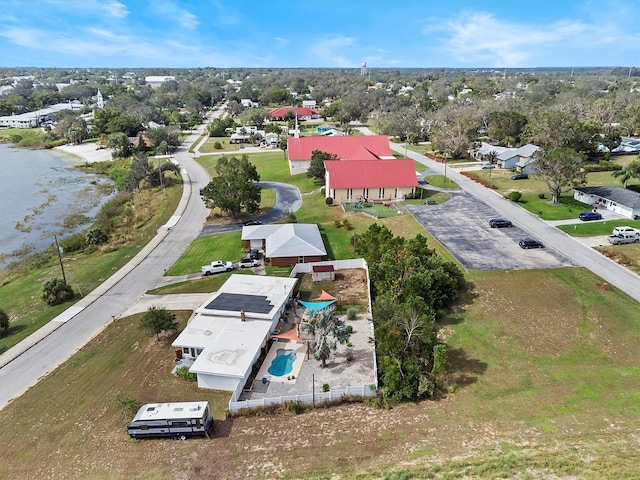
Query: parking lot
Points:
[462, 225]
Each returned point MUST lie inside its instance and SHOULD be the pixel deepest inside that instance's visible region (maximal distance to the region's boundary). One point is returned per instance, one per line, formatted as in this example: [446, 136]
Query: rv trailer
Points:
[171, 420]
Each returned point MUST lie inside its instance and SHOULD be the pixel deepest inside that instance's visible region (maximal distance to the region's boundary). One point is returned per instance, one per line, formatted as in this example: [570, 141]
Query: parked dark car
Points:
[528, 242]
[519, 176]
[587, 216]
[248, 263]
[248, 223]
[254, 254]
[500, 223]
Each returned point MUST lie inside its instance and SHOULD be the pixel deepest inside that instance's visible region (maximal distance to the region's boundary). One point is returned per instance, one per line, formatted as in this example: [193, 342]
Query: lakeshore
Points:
[44, 195]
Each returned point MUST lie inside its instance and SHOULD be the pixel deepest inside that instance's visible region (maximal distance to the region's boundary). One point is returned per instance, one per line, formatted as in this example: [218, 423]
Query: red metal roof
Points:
[321, 269]
[280, 112]
[345, 148]
[371, 173]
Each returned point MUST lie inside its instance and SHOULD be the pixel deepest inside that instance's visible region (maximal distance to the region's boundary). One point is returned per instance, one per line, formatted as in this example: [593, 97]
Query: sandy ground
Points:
[88, 152]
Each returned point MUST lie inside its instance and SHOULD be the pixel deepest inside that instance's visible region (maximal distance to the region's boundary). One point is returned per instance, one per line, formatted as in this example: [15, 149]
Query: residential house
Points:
[369, 180]
[367, 147]
[628, 146]
[620, 200]
[309, 104]
[226, 336]
[510, 157]
[286, 244]
[248, 103]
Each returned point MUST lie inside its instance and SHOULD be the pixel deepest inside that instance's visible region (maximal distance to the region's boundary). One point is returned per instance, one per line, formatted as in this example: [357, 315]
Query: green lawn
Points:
[440, 181]
[205, 249]
[590, 229]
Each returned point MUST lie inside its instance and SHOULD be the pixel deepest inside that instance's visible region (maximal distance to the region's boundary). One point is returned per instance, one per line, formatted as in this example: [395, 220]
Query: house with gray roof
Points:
[286, 244]
[509, 158]
[622, 201]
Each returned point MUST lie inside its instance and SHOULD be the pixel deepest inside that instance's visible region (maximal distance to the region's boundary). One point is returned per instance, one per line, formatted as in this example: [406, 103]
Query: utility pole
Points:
[59, 250]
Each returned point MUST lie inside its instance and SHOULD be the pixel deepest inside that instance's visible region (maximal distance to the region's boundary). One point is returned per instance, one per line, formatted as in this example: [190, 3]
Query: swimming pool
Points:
[282, 363]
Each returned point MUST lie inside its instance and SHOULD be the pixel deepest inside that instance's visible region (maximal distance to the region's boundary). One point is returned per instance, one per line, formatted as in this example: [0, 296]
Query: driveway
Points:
[288, 199]
[462, 225]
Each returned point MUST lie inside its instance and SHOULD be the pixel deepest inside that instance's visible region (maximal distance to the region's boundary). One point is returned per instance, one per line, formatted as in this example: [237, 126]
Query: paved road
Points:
[25, 364]
[553, 238]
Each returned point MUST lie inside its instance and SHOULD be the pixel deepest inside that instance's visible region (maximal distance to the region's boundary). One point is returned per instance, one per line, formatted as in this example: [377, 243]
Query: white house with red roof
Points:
[303, 113]
[369, 147]
[373, 180]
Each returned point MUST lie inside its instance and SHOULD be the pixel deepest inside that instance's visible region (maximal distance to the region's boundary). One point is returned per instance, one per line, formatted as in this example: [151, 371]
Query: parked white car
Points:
[216, 267]
[624, 229]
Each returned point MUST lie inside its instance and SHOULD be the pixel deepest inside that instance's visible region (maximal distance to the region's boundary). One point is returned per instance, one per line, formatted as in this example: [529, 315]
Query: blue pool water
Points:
[282, 364]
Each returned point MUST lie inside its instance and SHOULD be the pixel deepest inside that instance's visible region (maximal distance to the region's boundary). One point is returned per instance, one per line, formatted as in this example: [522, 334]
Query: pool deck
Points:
[290, 378]
[339, 373]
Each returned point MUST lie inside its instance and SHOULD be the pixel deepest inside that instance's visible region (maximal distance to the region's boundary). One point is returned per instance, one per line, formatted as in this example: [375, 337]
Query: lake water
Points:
[39, 189]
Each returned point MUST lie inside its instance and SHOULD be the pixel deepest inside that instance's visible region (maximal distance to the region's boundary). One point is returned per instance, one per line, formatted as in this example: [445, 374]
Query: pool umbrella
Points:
[324, 296]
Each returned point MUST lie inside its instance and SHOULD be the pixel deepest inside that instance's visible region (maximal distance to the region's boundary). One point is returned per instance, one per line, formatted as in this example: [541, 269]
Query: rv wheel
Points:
[182, 437]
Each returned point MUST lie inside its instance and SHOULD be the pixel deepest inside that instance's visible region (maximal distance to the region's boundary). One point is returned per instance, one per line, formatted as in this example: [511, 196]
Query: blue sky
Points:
[319, 33]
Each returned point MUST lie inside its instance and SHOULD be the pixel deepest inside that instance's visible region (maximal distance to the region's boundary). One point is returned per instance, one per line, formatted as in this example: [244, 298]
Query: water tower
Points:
[363, 69]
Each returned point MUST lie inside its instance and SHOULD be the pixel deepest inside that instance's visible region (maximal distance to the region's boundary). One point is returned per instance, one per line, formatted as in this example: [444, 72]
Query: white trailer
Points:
[171, 420]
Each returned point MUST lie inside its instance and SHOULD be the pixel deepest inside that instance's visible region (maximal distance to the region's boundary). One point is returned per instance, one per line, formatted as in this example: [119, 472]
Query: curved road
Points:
[26, 363]
[616, 275]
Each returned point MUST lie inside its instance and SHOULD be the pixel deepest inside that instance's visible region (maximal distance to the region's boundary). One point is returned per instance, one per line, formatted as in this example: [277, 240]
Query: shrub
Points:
[55, 291]
[328, 201]
[515, 196]
[337, 223]
[73, 243]
[542, 196]
[217, 146]
[96, 236]
[325, 387]
[297, 407]
[184, 373]
[352, 313]
[126, 403]
[4, 323]
[347, 224]
[349, 357]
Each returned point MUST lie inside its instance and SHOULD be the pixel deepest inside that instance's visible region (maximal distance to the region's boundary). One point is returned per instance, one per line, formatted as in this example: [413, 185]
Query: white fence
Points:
[307, 398]
[314, 398]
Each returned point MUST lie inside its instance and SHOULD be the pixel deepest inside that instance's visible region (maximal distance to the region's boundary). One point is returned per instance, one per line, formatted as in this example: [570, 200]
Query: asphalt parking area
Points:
[462, 225]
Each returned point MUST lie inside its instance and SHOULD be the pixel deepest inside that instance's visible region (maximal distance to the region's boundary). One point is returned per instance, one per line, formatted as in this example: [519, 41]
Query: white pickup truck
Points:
[624, 238]
[216, 267]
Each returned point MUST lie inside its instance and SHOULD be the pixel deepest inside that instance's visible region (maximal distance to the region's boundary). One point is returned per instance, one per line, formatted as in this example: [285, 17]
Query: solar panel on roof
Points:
[236, 302]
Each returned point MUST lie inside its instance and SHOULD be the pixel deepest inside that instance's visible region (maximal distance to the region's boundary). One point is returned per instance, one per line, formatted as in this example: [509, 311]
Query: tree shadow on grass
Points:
[221, 428]
[464, 371]
[455, 314]
[12, 330]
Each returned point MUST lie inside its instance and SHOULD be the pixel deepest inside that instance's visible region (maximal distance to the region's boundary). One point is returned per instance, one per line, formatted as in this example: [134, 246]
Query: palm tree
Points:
[628, 172]
[491, 156]
[328, 332]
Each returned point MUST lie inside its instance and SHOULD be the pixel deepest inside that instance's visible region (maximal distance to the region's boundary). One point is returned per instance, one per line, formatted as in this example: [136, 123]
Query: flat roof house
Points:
[229, 330]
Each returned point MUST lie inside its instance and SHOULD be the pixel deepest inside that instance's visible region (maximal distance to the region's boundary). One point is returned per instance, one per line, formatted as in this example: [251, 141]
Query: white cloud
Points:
[116, 9]
[329, 51]
[481, 39]
[174, 13]
[281, 42]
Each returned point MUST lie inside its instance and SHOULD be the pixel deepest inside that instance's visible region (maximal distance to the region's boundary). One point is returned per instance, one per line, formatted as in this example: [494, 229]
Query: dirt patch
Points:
[349, 287]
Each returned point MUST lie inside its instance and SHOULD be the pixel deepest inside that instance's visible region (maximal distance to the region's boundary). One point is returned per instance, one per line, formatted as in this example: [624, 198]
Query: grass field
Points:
[589, 229]
[533, 393]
